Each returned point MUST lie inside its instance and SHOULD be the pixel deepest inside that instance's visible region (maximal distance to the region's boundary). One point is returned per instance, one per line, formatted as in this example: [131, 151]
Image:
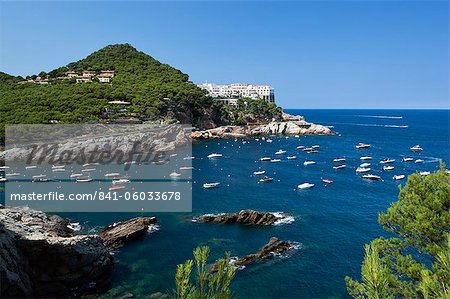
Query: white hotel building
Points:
[240, 90]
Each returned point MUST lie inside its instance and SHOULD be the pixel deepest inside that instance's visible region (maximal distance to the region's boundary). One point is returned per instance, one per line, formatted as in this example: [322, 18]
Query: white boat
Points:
[339, 160]
[189, 158]
[214, 156]
[2, 179]
[291, 157]
[365, 158]
[269, 140]
[84, 180]
[424, 173]
[88, 170]
[387, 168]
[300, 147]
[371, 177]
[264, 159]
[58, 170]
[407, 159]
[13, 174]
[39, 176]
[362, 170]
[315, 146]
[387, 161]
[58, 166]
[259, 172]
[186, 168]
[419, 161]
[306, 163]
[312, 152]
[416, 148]
[362, 145]
[275, 160]
[111, 174]
[120, 181]
[266, 179]
[398, 177]
[305, 186]
[308, 149]
[280, 152]
[76, 175]
[175, 174]
[364, 165]
[339, 166]
[210, 185]
[31, 167]
[4, 167]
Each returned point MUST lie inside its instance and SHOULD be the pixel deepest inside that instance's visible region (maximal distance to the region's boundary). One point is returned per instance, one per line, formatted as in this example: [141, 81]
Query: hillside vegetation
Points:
[157, 92]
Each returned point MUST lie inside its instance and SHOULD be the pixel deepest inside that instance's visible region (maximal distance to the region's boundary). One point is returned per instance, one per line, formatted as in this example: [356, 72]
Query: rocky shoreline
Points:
[247, 217]
[40, 255]
[291, 125]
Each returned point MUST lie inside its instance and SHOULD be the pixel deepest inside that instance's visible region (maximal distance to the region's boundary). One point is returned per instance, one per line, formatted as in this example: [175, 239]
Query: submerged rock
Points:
[117, 234]
[40, 257]
[273, 248]
[247, 217]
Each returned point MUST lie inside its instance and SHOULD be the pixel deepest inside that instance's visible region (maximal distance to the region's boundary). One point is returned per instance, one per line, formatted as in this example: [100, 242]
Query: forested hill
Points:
[156, 92]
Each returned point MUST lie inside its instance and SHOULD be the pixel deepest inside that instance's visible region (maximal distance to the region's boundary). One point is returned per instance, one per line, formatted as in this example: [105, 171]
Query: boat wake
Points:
[377, 125]
[381, 116]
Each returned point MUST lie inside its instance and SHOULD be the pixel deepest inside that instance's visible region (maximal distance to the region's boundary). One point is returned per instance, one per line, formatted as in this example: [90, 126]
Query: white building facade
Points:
[240, 90]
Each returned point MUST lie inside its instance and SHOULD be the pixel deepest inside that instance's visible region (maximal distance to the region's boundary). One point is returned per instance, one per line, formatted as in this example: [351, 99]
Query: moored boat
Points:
[339, 160]
[339, 166]
[211, 185]
[419, 161]
[214, 156]
[306, 163]
[424, 173]
[371, 177]
[362, 170]
[326, 181]
[266, 179]
[416, 148]
[305, 186]
[365, 158]
[275, 160]
[364, 165]
[264, 159]
[280, 152]
[387, 168]
[260, 172]
[292, 157]
[362, 145]
[406, 159]
[387, 161]
[398, 177]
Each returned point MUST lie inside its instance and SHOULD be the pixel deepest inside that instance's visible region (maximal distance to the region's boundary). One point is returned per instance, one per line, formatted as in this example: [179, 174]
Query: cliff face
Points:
[40, 257]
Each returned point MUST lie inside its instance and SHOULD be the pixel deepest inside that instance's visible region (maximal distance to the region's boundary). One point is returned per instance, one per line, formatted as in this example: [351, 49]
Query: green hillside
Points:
[156, 92]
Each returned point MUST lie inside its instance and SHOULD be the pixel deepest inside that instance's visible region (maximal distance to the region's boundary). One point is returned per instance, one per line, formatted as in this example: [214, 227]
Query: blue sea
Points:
[332, 223]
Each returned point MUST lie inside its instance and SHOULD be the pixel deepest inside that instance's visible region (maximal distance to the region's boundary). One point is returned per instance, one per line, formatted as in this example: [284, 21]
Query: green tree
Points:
[207, 284]
[395, 267]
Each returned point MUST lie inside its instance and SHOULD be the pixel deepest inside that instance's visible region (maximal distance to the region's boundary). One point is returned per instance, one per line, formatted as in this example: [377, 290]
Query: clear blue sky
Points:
[316, 54]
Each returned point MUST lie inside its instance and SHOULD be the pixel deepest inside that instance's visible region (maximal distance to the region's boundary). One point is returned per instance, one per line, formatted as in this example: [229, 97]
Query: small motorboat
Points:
[405, 159]
[2, 179]
[264, 159]
[260, 172]
[365, 158]
[339, 160]
[362, 170]
[280, 152]
[116, 187]
[269, 140]
[387, 168]
[306, 163]
[339, 166]
[210, 185]
[424, 173]
[364, 165]
[13, 174]
[308, 149]
[419, 161]
[292, 157]
[31, 167]
[275, 160]
[189, 158]
[387, 161]
[39, 176]
[58, 166]
[371, 177]
[58, 170]
[326, 181]
[315, 146]
[120, 181]
[111, 174]
[305, 186]
[398, 177]
[300, 147]
[312, 152]
[175, 174]
[186, 168]
[416, 148]
[266, 179]
[214, 156]
[88, 170]
[4, 167]
[362, 145]
[84, 179]
[75, 175]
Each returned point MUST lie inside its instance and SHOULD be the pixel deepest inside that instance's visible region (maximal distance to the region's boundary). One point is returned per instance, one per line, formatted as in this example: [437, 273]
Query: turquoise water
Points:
[331, 223]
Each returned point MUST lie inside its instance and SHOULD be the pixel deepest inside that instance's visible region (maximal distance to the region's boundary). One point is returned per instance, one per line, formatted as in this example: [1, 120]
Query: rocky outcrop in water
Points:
[247, 217]
[273, 248]
[117, 234]
[293, 125]
[41, 257]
